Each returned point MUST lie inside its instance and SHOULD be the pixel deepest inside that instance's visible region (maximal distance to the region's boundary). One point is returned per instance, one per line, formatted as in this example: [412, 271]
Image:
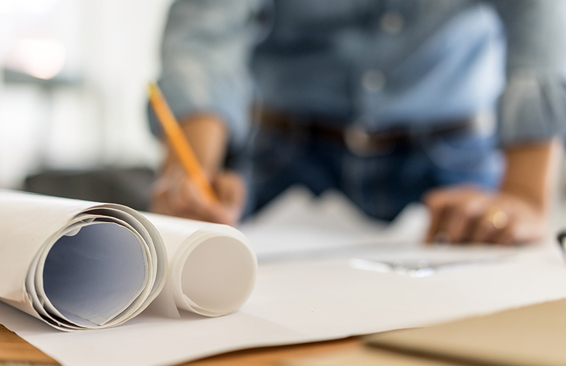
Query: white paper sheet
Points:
[299, 225]
[308, 301]
[302, 299]
[76, 264]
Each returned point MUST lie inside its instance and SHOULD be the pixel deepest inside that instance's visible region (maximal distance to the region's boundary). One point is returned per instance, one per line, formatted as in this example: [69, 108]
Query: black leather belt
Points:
[358, 140]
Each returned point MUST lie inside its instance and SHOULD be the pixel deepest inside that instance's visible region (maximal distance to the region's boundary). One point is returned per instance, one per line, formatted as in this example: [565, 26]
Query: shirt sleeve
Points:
[204, 55]
[533, 104]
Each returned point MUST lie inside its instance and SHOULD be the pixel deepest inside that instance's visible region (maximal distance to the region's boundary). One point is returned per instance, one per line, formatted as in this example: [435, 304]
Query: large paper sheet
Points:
[310, 301]
[299, 225]
[305, 298]
[76, 264]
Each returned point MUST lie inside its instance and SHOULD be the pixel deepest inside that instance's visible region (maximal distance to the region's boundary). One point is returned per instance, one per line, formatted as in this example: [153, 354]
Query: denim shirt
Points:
[379, 63]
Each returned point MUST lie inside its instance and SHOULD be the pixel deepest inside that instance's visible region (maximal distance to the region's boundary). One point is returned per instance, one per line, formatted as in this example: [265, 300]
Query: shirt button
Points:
[392, 22]
[373, 80]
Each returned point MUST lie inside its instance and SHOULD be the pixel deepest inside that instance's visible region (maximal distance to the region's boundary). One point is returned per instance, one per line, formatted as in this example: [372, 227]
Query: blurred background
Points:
[73, 87]
[73, 76]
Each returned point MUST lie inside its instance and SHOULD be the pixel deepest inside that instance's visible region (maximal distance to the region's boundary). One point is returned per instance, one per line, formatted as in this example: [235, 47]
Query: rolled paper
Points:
[77, 264]
[212, 267]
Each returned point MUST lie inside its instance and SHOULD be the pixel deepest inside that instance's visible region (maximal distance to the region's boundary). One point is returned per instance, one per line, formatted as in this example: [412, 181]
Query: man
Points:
[388, 101]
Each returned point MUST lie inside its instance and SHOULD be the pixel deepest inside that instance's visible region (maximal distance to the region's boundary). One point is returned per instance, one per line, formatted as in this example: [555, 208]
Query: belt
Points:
[356, 138]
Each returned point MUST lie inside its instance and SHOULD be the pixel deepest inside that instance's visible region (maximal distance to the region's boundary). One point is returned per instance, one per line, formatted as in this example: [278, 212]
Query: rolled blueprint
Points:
[212, 267]
[77, 264]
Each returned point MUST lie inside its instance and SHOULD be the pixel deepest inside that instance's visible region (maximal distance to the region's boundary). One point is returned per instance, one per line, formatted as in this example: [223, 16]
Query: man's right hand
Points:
[175, 194]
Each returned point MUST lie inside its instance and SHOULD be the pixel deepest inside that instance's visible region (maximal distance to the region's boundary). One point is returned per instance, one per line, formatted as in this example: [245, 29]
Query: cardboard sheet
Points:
[370, 357]
[531, 335]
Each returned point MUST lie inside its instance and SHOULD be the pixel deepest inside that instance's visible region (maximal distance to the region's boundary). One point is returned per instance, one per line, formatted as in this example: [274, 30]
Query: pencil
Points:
[179, 143]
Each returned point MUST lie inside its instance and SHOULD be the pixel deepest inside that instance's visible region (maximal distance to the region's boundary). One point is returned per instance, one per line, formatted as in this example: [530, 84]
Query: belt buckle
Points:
[361, 143]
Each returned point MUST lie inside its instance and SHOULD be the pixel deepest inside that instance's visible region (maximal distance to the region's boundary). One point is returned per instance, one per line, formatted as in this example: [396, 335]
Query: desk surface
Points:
[14, 350]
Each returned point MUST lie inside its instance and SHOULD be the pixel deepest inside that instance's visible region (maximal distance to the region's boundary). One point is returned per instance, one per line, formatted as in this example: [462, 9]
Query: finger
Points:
[158, 198]
[195, 206]
[439, 202]
[482, 230]
[159, 207]
[224, 215]
[222, 212]
[433, 229]
[435, 204]
[455, 221]
[176, 194]
[233, 191]
[505, 236]
[216, 214]
[183, 199]
[492, 223]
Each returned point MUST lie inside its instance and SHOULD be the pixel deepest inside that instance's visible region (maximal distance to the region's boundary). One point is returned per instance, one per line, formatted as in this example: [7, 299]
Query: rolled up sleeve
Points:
[533, 105]
[205, 51]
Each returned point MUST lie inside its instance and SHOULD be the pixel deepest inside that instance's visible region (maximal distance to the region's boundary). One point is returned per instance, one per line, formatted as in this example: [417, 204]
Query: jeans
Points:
[380, 185]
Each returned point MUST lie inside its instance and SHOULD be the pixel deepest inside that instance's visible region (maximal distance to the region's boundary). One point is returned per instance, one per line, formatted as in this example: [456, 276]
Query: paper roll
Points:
[212, 267]
[77, 264]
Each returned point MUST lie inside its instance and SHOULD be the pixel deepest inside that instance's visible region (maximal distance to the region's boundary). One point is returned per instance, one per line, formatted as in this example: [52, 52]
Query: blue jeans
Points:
[380, 185]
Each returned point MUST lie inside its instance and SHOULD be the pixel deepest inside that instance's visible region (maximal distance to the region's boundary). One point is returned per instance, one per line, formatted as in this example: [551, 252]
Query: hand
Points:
[467, 214]
[175, 194]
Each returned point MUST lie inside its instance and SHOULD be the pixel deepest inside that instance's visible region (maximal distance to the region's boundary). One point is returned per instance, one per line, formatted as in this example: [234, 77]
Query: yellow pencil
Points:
[179, 143]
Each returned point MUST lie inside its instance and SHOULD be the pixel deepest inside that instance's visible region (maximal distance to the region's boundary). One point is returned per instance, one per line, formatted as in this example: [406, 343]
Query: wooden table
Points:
[16, 351]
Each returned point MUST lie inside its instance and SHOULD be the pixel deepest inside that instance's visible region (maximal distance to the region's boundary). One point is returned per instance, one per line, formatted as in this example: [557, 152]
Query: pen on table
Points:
[179, 143]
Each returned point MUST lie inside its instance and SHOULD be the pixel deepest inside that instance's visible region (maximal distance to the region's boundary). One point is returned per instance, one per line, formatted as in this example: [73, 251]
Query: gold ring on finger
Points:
[497, 217]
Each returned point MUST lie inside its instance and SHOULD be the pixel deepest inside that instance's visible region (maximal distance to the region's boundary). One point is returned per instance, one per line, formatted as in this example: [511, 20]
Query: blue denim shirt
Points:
[380, 63]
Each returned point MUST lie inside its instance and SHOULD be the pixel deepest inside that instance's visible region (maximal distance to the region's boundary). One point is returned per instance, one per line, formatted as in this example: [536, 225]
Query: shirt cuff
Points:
[533, 107]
